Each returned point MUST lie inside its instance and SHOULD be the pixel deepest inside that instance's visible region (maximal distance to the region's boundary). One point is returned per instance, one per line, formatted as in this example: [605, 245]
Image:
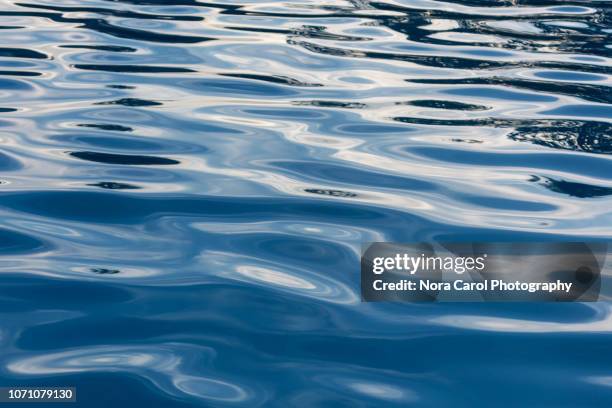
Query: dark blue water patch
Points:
[132, 325]
[260, 30]
[578, 135]
[138, 69]
[134, 102]
[7, 110]
[19, 63]
[584, 111]
[277, 79]
[331, 104]
[114, 208]
[595, 166]
[351, 175]
[14, 85]
[589, 58]
[20, 73]
[573, 189]
[586, 136]
[480, 122]
[297, 250]
[423, 60]
[225, 300]
[13, 242]
[105, 271]
[126, 159]
[22, 53]
[321, 32]
[441, 104]
[108, 48]
[237, 88]
[587, 92]
[107, 126]
[117, 86]
[7, 163]
[103, 330]
[569, 9]
[501, 94]
[113, 185]
[44, 293]
[506, 204]
[331, 193]
[469, 141]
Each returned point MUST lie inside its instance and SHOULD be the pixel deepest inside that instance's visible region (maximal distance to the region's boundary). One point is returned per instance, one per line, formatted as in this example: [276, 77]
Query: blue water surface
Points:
[185, 187]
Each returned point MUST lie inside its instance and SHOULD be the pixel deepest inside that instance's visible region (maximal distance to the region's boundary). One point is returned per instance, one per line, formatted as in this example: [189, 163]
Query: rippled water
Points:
[186, 187]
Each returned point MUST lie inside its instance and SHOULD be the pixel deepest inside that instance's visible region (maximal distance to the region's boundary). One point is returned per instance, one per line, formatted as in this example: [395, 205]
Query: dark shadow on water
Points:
[277, 79]
[113, 86]
[109, 48]
[594, 93]
[578, 190]
[111, 185]
[20, 73]
[131, 102]
[591, 137]
[586, 136]
[107, 126]
[104, 271]
[128, 159]
[332, 193]
[21, 53]
[142, 69]
[13, 242]
[469, 141]
[331, 104]
[440, 104]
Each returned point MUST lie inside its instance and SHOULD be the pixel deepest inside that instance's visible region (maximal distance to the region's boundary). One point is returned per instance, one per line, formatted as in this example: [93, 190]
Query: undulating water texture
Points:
[186, 185]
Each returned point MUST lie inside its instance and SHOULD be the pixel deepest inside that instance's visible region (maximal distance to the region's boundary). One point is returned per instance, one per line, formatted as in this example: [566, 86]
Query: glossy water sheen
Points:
[186, 186]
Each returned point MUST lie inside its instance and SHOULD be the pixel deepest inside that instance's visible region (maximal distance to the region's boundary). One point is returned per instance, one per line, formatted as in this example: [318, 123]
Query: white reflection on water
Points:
[601, 323]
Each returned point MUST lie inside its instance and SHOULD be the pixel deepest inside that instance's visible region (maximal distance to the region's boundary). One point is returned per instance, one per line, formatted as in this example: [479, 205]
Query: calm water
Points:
[185, 187]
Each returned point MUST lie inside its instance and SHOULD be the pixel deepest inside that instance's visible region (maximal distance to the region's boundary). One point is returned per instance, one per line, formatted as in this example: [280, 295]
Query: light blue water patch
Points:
[569, 76]
[488, 53]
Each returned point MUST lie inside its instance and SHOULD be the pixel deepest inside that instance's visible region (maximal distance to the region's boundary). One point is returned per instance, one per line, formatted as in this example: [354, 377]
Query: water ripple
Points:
[186, 186]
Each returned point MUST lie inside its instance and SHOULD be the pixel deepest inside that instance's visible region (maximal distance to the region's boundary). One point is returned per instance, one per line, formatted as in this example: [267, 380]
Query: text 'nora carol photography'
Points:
[523, 271]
